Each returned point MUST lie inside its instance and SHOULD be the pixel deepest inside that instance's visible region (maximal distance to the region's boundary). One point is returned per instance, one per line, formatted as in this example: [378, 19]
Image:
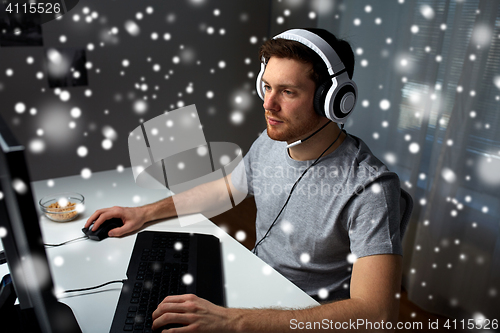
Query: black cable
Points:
[96, 287]
[66, 242]
[3, 258]
[298, 142]
[293, 188]
[304, 140]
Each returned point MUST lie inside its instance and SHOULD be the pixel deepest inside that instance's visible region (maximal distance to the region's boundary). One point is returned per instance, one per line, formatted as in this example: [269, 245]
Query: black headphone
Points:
[335, 98]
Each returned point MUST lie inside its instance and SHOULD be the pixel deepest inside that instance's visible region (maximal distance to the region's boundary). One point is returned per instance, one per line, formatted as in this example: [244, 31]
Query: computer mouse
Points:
[102, 232]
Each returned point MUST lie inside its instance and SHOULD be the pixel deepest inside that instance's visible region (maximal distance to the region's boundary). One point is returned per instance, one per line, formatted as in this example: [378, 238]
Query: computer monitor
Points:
[38, 309]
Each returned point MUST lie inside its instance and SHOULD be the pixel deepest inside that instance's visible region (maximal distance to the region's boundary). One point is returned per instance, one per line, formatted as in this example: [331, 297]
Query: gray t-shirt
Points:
[345, 207]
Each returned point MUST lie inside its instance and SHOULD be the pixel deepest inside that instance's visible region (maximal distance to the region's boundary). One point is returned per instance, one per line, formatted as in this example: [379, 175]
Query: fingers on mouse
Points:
[102, 231]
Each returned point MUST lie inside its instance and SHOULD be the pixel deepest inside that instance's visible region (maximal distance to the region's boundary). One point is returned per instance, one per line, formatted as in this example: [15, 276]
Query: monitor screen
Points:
[38, 309]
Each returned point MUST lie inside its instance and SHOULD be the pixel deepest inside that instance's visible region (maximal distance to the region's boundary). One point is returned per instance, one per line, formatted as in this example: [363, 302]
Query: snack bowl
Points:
[62, 207]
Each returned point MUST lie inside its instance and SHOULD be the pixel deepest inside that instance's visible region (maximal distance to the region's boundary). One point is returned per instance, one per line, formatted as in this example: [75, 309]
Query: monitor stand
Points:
[13, 319]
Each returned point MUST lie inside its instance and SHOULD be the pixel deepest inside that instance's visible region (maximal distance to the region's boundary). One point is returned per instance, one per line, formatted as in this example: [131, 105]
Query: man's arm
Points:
[196, 200]
[375, 281]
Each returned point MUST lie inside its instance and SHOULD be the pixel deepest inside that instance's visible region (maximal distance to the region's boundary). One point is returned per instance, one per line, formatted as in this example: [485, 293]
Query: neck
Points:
[314, 146]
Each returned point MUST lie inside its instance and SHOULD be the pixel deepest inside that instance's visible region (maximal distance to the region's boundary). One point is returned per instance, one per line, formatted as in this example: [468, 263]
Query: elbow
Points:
[383, 317]
[387, 316]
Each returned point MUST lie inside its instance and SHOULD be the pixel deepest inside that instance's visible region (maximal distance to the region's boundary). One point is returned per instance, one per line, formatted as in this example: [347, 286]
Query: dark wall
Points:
[40, 114]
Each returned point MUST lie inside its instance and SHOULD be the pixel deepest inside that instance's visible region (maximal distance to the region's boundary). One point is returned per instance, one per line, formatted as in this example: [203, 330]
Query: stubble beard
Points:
[292, 133]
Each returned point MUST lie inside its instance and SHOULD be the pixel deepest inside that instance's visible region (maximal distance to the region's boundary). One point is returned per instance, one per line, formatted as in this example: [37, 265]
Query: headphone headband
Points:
[318, 45]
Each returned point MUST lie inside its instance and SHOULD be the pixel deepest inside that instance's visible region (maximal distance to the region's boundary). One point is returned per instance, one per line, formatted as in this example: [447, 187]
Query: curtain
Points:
[428, 74]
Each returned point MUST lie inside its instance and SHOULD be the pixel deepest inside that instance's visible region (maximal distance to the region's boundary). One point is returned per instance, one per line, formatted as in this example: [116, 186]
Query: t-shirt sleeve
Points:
[374, 218]
[241, 177]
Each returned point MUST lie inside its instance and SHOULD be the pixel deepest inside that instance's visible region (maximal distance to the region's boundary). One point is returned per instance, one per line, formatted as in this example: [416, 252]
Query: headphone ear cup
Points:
[340, 99]
[319, 98]
[344, 102]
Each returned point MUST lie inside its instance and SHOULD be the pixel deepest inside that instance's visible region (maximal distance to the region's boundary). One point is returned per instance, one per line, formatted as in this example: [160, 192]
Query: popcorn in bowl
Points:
[62, 207]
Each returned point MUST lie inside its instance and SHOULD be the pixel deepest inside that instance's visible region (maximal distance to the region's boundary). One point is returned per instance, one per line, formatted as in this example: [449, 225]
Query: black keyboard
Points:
[167, 263]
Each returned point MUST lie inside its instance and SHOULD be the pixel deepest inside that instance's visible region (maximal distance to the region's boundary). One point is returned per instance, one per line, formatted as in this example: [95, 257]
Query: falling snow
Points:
[267, 270]
[64, 118]
[323, 293]
[187, 279]
[132, 28]
[86, 173]
[241, 235]
[3, 231]
[384, 104]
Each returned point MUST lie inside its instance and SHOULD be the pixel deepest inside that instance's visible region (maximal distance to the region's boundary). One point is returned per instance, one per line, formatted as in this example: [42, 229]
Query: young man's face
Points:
[288, 101]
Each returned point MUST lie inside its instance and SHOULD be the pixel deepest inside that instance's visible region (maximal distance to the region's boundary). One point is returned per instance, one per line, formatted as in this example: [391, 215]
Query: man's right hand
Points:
[132, 218]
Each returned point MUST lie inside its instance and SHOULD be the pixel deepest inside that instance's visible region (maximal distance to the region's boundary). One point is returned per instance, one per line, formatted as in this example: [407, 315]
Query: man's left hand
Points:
[197, 314]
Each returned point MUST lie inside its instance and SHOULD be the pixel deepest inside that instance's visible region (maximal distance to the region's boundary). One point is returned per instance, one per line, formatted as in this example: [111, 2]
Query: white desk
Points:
[249, 282]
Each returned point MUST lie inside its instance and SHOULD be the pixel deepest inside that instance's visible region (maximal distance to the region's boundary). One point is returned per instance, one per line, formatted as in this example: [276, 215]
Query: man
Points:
[319, 203]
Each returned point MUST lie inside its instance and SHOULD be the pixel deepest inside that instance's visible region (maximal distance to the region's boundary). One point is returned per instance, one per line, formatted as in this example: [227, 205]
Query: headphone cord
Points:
[310, 136]
[293, 188]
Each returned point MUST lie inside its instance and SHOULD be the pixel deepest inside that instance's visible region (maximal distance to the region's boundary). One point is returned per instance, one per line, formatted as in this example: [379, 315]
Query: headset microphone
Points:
[296, 143]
